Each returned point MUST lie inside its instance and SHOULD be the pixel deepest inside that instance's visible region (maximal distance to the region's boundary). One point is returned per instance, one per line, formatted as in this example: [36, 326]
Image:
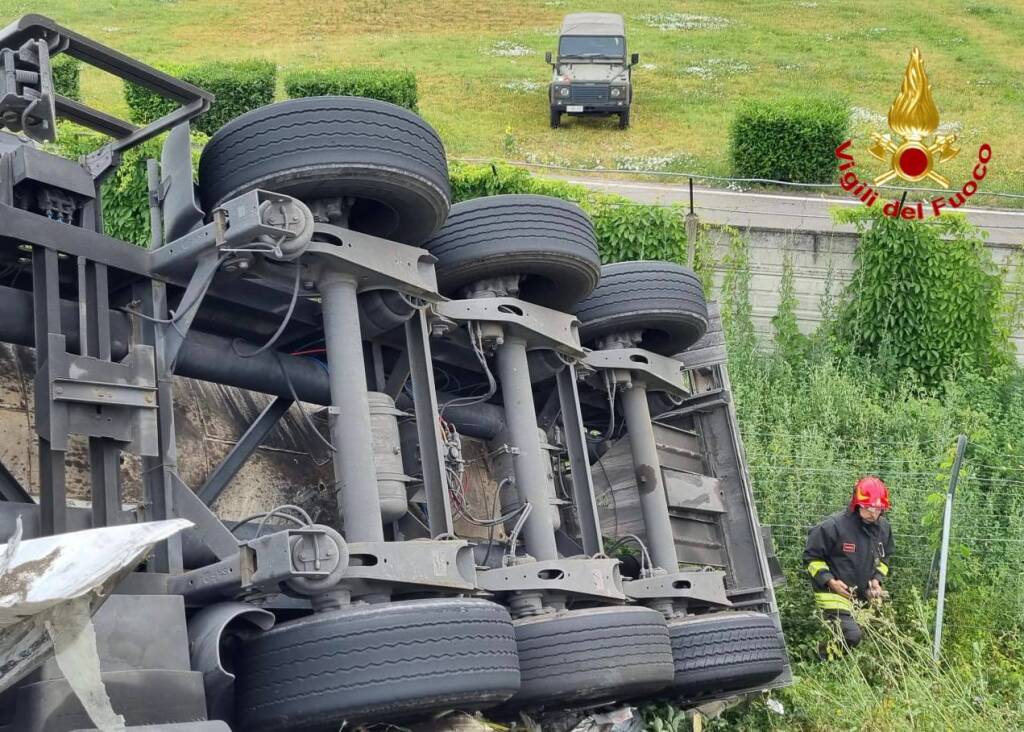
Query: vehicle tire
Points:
[556, 119]
[663, 301]
[587, 656]
[550, 242]
[376, 662]
[384, 156]
[624, 119]
[725, 651]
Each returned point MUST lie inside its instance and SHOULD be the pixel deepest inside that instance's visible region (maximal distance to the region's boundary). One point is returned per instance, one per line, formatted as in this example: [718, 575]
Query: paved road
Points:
[799, 212]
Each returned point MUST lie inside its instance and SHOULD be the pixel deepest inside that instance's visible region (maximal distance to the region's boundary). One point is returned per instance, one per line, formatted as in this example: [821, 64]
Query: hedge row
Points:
[387, 85]
[789, 139]
[245, 85]
[67, 77]
[238, 87]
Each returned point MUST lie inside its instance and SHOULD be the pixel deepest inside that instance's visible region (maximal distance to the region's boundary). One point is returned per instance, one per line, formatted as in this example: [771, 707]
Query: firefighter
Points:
[847, 556]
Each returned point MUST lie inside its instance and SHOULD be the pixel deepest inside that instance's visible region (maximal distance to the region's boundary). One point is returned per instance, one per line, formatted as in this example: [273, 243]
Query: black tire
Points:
[726, 651]
[588, 656]
[624, 119]
[662, 300]
[384, 156]
[549, 241]
[377, 662]
[556, 119]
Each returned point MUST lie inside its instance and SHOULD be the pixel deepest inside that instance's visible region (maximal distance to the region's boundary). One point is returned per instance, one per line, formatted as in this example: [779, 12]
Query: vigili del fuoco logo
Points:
[913, 151]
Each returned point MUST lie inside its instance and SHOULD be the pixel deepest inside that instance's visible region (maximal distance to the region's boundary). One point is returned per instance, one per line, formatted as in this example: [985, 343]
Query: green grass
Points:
[688, 86]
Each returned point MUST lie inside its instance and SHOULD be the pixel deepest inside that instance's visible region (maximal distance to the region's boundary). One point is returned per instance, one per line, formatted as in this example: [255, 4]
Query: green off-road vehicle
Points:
[591, 74]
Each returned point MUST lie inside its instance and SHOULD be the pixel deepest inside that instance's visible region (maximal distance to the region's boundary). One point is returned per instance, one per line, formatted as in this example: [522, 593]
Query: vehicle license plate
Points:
[574, 108]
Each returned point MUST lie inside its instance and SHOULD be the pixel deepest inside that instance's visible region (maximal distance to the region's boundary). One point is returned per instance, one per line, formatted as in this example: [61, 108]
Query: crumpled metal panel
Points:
[40, 579]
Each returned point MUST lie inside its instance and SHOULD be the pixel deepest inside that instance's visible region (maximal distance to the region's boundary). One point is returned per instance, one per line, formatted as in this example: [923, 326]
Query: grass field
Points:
[482, 73]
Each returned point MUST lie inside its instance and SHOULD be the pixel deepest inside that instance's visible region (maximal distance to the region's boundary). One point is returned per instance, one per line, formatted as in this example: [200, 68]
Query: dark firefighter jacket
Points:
[846, 548]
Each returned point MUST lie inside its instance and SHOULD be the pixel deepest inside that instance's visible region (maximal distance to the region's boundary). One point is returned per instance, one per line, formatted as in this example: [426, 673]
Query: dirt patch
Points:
[16, 582]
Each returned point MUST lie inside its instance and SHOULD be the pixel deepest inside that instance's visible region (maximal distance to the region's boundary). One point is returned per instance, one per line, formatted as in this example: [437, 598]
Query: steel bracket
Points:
[581, 577]
[26, 91]
[702, 587]
[97, 398]
[540, 327]
[699, 404]
[375, 263]
[258, 222]
[417, 565]
[308, 560]
[657, 373]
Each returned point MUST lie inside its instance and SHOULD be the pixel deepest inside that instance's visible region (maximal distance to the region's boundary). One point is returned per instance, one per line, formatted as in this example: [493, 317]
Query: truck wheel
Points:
[377, 662]
[550, 242]
[725, 651]
[624, 119]
[663, 301]
[556, 119]
[586, 656]
[385, 157]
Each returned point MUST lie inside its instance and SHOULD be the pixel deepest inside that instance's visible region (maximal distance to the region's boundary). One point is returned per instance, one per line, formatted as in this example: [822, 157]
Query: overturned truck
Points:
[537, 499]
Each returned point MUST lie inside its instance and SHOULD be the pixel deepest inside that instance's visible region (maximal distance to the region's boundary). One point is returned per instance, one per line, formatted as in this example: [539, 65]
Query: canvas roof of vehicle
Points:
[593, 24]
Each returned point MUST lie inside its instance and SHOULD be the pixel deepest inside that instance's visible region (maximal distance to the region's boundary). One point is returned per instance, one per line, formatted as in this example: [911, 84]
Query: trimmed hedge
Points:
[238, 87]
[387, 85]
[790, 139]
[67, 73]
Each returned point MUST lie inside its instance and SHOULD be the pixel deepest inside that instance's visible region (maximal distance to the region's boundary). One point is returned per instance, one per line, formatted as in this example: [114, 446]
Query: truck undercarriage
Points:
[534, 495]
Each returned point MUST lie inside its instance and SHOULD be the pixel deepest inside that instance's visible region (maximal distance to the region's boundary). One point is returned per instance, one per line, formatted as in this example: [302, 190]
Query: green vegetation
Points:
[926, 297]
[238, 87]
[387, 85]
[791, 139]
[480, 66]
[817, 412]
[892, 683]
[67, 77]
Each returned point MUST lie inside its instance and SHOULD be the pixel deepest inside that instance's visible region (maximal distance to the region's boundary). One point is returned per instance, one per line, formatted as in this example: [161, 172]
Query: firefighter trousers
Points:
[847, 626]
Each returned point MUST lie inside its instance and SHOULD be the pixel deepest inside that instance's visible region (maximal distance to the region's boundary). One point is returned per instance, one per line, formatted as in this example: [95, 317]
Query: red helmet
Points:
[870, 492]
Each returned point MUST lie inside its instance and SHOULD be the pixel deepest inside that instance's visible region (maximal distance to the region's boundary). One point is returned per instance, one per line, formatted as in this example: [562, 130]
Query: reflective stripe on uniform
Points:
[883, 569]
[817, 566]
[832, 601]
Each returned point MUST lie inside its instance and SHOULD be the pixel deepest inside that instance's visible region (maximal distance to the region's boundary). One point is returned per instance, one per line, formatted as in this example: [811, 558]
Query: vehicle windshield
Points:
[592, 47]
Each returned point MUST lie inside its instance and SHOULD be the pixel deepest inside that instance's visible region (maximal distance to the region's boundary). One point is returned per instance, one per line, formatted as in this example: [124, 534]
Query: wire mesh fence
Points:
[795, 490]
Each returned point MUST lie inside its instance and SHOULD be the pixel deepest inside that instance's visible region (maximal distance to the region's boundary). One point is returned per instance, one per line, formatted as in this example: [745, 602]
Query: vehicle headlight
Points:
[563, 92]
[617, 91]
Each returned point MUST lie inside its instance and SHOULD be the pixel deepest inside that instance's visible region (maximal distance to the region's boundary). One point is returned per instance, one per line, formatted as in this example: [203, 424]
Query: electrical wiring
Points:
[476, 340]
[284, 322]
[295, 398]
[282, 511]
[514, 536]
[179, 312]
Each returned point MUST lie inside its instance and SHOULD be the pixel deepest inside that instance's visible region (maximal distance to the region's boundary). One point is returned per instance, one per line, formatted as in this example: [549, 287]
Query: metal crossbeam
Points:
[10, 489]
[224, 473]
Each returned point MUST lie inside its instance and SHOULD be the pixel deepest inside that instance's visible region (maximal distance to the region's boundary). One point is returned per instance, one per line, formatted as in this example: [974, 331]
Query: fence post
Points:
[947, 520]
[691, 231]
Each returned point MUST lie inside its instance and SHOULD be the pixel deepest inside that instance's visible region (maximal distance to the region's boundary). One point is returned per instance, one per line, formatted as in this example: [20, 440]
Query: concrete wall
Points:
[812, 254]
